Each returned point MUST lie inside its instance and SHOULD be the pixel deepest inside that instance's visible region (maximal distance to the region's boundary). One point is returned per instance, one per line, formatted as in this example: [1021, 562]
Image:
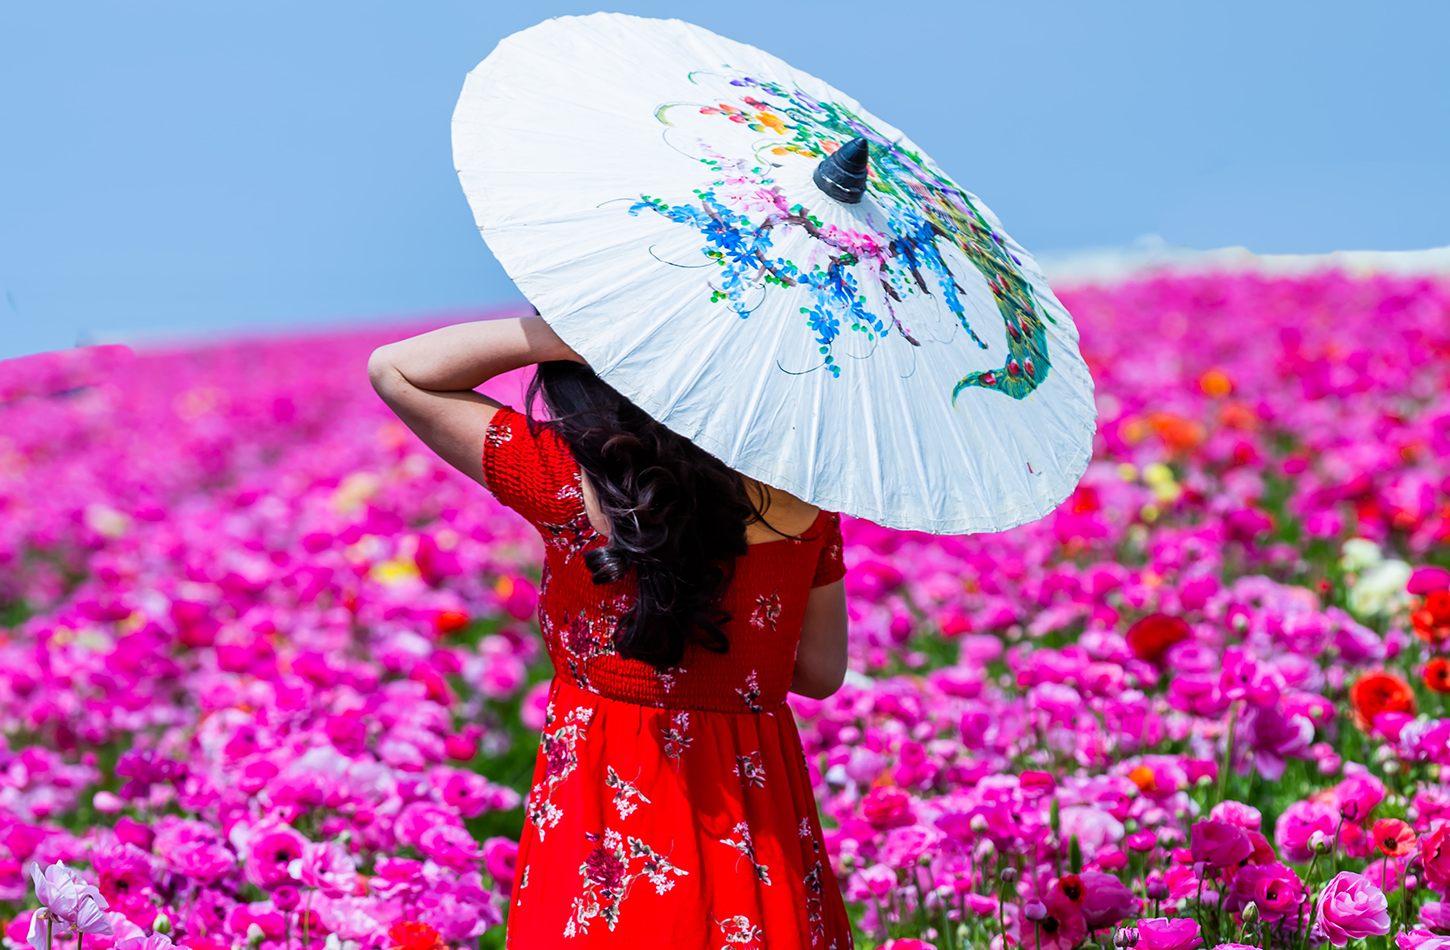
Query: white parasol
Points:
[774, 273]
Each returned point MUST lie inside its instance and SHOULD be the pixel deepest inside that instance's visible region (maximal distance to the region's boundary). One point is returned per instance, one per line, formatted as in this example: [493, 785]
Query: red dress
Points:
[669, 809]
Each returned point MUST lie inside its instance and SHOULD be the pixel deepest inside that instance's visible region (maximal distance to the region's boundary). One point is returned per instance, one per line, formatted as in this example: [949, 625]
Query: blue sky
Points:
[266, 165]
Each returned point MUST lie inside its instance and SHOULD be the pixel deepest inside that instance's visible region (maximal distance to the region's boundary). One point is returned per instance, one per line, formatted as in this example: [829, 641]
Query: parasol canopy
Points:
[774, 273]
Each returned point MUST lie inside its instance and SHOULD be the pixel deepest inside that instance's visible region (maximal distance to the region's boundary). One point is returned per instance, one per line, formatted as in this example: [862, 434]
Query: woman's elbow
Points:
[819, 683]
[382, 373]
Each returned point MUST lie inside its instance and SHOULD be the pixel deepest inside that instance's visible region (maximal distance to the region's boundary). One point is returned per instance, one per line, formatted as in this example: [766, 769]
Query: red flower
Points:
[1072, 888]
[1437, 675]
[414, 935]
[1393, 837]
[1376, 693]
[604, 868]
[1155, 633]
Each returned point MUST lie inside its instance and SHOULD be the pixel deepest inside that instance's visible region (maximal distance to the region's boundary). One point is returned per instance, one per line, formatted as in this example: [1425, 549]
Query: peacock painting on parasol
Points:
[858, 273]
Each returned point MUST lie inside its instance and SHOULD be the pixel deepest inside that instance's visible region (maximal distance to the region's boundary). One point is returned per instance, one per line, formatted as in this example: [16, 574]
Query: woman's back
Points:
[690, 777]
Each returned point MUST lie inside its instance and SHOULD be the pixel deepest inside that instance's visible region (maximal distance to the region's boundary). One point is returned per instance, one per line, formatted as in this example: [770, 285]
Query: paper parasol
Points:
[774, 273]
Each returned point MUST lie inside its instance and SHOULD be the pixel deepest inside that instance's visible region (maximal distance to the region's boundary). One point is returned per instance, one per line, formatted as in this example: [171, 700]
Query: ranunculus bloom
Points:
[69, 902]
[1219, 843]
[270, 855]
[1275, 888]
[1155, 633]
[887, 806]
[1168, 933]
[1298, 824]
[1437, 675]
[1435, 852]
[1061, 926]
[1393, 837]
[1375, 693]
[1351, 908]
[1436, 916]
[413, 935]
[1358, 795]
[1106, 901]
[1421, 940]
[1237, 814]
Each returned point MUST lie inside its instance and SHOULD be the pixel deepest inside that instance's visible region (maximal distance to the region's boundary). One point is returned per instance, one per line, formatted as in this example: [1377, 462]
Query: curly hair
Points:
[677, 514]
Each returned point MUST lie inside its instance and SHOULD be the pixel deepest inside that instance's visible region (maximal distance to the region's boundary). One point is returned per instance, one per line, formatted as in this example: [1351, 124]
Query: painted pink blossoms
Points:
[269, 676]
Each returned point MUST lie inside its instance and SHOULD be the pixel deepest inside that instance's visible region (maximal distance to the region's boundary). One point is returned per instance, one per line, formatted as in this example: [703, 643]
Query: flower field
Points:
[269, 676]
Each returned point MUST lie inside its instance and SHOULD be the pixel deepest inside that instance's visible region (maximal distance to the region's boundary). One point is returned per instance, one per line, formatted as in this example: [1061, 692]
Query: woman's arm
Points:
[429, 380]
[820, 660]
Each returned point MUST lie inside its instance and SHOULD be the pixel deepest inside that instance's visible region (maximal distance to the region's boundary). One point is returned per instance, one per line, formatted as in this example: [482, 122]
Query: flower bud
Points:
[1008, 875]
[254, 935]
[1412, 883]
[1251, 912]
[162, 924]
[1157, 891]
[978, 824]
[1034, 910]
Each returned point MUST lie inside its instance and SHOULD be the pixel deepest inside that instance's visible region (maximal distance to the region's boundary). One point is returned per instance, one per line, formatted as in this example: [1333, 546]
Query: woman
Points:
[671, 806]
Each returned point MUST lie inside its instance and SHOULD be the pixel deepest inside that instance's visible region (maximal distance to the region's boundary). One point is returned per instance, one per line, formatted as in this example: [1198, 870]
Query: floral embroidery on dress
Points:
[750, 769]
[676, 740]
[740, 932]
[805, 832]
[815, 904]
[767, 610]
[608, 874]
[746, 847]
[667, 677]
[525, 882]
[751, 693]
[497, 435]
[623, 792]
[560, 761]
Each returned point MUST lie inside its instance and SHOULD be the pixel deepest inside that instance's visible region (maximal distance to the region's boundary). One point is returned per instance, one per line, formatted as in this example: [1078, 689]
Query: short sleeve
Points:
[830, 567]
[531, 471]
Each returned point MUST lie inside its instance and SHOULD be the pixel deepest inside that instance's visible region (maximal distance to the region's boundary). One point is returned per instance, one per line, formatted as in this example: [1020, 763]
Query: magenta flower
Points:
[1168, 933]
[270, 855]
[1106, 899]
[1219, 843]
[1275, 888]
[1351, 908]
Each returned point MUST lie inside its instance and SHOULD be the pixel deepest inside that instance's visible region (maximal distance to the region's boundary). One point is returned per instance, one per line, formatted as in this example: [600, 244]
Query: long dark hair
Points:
[677, 514]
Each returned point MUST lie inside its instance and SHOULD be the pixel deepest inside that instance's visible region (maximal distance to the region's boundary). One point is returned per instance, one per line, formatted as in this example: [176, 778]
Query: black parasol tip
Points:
[842, 174]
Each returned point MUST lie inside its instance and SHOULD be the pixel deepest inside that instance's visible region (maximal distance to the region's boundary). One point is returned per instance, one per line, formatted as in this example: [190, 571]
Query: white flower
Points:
[1358, 554]
[1380, 589]
[69, 904]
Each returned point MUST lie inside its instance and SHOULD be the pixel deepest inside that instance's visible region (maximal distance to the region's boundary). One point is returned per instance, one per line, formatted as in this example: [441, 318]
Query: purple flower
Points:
[68, 905]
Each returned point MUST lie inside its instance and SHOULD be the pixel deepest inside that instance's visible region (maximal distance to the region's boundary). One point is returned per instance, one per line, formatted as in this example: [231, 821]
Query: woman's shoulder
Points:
[784, 516]
[529, 468]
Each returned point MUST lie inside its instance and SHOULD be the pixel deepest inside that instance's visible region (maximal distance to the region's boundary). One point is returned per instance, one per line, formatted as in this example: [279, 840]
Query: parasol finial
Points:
[842, 174]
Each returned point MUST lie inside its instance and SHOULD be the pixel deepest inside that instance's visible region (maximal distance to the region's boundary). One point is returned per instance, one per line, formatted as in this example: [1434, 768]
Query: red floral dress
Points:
[669, 809]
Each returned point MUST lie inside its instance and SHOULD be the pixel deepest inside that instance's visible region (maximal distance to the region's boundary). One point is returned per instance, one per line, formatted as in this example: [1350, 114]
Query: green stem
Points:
[1228, 753]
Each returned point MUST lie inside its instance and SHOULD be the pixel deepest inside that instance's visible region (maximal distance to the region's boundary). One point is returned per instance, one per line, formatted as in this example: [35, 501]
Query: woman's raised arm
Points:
[429, 380]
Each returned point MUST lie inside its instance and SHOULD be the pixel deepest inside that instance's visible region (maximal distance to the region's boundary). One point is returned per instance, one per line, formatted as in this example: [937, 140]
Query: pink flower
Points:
[149, 942]
[1357, 796]
[326, 867]
[270, 855]
[1421, 940]
[887, 806]
[452, 847]
[500, 856]
[1298, 823]
[1219, 843]
[1351, 908]
[1168, 933]
[418, 817]
[1237, 814]
[1275, 888]
[204, 860]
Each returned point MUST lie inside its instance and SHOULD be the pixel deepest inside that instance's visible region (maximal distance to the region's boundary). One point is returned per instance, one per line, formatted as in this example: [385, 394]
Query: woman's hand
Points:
[429, 380]
[820, 660]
